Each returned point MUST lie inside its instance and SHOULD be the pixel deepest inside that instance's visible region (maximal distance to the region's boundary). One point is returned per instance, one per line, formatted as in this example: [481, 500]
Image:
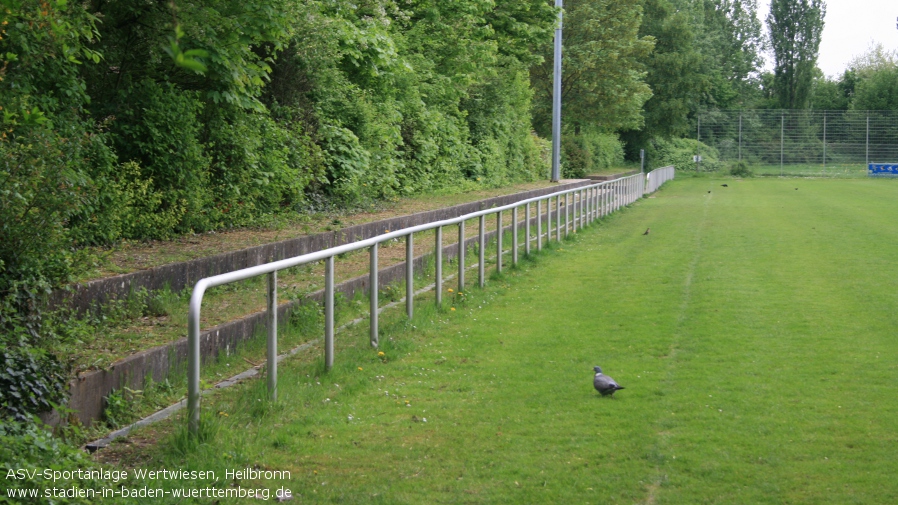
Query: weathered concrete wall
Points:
[177, 276]
[88, 390]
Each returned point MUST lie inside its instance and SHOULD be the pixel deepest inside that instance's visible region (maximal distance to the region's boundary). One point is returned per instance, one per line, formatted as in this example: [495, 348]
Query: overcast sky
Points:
[850, 27]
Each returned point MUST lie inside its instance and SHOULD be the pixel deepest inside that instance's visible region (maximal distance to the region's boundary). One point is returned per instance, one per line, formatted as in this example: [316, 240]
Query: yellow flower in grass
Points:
[360, 369]
[452, 309]
[450, 290]
[381, 354]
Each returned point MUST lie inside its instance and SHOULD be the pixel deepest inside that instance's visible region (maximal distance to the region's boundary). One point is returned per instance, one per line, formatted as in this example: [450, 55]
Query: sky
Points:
[850, 27]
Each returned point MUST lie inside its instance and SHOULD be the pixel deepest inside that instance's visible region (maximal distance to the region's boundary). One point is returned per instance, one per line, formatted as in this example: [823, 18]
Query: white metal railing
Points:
[581, 206]
[657, 177]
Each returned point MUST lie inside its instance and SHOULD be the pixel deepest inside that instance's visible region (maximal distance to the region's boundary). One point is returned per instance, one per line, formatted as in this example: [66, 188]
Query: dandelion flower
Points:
[381, 354]
[450, 290]
[452, 309]
[360, 369]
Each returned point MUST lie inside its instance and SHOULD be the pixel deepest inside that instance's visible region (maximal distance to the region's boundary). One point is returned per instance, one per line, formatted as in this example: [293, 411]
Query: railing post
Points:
[329, 313]
[558, 218]
[588, 195]
[514, 236]
[438, 266]
[410, 275]
[527, 230]
[499, 241]
[272, 347]
[481, 268]
[595, 203]
[567, 213]
[373, 295]
[193, 369]
[583, 208]
[539, 225]
[461, 256]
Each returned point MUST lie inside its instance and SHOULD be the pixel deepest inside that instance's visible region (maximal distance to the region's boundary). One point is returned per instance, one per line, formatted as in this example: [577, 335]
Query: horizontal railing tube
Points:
[609, 196]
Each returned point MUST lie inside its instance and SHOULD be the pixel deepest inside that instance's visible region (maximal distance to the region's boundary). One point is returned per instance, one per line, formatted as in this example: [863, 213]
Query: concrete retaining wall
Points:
[178, 276]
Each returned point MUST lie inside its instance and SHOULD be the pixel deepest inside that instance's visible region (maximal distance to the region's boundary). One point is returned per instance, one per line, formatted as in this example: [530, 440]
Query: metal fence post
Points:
[373, 294]
[514, 236]
[410, 275]
[480, 252]
[740, 136]
[539, 225]
[499, 241]
[824, 140]
[438, 266]
[272, 347]
[588, 205]
[558, 218]
[567, 213]
[527, 230]
[461, 256]
[584, 207]
[329, 312]
[782, 140]
[867, 142]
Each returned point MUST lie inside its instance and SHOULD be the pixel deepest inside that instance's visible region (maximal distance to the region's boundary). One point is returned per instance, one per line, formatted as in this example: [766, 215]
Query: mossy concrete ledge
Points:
[92, 295]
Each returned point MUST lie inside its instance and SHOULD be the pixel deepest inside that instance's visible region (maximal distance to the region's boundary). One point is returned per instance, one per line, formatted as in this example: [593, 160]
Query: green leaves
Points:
[189, 59]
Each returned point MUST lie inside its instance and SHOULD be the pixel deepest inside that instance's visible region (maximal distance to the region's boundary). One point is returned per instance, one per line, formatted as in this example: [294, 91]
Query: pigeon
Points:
[725, 185]
[646, 231]
[604, 384]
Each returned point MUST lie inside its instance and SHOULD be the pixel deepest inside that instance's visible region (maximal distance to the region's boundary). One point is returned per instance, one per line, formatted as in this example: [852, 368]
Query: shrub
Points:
[680, 152]
[157, 127]
[585, 153]
[740, 169]
[26, 445]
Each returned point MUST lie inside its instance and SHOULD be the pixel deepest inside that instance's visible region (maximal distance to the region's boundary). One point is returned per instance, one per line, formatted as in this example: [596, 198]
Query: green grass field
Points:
[753, 329]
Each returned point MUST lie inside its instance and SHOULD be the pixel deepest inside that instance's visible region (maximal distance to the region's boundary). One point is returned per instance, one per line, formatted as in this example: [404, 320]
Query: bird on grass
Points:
[604, 384]
[725, 185]
[647, 231]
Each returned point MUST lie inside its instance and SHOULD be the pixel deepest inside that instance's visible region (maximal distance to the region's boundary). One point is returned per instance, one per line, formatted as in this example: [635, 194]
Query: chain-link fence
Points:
[815, 139]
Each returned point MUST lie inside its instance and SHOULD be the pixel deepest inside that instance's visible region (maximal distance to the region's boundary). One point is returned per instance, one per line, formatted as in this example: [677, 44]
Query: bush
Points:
[740, 169]
[680, 152]
[157, 127]
[27, 446]
[586, 153]
[31, 381]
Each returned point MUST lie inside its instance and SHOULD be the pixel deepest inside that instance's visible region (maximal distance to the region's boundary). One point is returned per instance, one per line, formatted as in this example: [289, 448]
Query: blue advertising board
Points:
[882, 170]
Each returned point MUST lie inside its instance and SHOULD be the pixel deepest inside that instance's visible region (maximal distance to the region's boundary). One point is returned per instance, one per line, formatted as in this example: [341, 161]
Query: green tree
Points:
[795, 28]
[731, 41]
[878, 91]
[673, 73]
[602, 85]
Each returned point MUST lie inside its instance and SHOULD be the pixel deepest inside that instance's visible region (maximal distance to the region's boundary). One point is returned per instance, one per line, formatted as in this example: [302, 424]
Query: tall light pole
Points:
[556, 100]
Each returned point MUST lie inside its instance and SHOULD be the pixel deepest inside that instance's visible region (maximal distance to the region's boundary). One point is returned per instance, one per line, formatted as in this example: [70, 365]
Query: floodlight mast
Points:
[556, 99]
